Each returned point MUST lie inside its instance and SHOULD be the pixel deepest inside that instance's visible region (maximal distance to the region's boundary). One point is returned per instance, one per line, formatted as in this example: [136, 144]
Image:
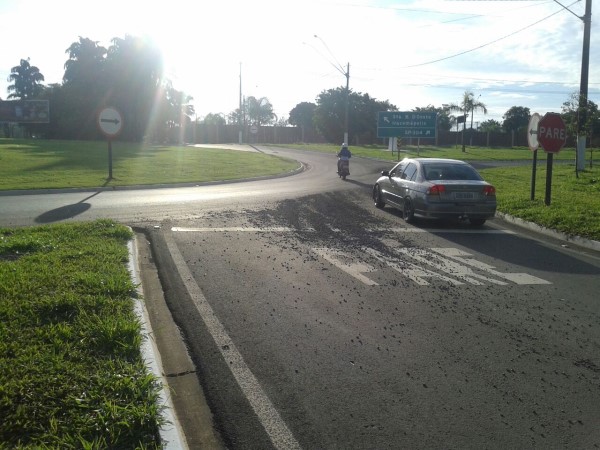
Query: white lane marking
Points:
[236, 229]
[276, 428]
[411, 271]
[341, 261]
[467, 258]
[249, 229]
[446, 265]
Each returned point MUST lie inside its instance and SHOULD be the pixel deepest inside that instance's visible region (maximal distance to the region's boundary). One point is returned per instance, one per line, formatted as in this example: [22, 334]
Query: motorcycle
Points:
[343, 168]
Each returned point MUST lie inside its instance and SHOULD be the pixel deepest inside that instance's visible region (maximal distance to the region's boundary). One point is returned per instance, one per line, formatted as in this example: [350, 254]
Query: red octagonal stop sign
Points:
[552, 133]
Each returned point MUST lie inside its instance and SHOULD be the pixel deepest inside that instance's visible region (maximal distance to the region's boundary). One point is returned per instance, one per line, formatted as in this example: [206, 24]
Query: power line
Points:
[487, 44]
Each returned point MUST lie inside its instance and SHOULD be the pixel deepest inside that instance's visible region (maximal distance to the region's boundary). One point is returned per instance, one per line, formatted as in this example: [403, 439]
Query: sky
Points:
[410, 53]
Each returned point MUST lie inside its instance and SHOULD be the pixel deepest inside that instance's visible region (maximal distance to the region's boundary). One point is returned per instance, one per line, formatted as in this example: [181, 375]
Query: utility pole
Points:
[346, 73]
[241, 112]
[347, 101]
[583, 88]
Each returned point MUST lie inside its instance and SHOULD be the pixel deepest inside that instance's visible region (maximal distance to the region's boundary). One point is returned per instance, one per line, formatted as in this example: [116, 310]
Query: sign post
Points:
[110, 123]
[532, 140]
[552, 136]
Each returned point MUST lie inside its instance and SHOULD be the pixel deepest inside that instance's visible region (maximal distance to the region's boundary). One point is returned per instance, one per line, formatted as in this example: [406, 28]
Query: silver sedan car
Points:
[437, 189]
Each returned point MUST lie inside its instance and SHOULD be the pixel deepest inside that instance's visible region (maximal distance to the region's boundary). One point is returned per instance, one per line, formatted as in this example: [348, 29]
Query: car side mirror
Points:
[385, 173]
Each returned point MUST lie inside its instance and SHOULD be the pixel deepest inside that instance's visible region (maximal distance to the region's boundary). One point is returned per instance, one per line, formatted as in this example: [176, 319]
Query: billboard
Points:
[25, 111]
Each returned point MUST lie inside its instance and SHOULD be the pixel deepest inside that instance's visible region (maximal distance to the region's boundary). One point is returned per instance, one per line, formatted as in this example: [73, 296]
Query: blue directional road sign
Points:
[405, 124]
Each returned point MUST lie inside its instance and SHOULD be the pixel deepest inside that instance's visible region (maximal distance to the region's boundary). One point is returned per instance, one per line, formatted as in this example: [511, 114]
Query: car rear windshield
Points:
[450, 172]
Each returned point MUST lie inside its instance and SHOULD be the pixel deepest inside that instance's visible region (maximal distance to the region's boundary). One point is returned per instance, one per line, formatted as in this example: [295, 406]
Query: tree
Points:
[467, 106]
[85, 85]
[302, 115]
[135, 74]
[490, 126]
[570, 114]
[214, 119]
[176, 112]
[444, 119]
[516, 118]
[260, 111]
[26, 81]
[85, 63]
[329, 116]
[26, 84]
[282, 122]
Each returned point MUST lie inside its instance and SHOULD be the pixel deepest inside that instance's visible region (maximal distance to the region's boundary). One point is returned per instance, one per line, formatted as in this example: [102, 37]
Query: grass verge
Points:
[71, 372]
[428, 151]
[574, 202]
[45, 164]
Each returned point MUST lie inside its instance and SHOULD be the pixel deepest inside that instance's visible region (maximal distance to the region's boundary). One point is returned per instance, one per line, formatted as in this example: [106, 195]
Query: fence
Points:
[224, 134]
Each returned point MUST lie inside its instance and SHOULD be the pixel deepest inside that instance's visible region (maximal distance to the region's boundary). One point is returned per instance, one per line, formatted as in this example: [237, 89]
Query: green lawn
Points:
[575, 202]
[71, 373]
[45, 164]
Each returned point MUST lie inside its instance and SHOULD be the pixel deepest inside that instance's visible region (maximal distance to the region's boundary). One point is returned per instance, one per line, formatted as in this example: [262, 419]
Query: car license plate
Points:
[464, 195]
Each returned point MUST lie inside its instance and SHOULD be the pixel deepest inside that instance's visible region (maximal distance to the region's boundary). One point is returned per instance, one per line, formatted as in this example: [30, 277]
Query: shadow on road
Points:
[65, 212]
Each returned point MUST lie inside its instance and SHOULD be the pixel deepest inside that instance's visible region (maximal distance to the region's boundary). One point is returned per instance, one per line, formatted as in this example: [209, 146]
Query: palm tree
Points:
[178, 110]
[260, 111]
[85, 63]
[468, 105]
[26, 81]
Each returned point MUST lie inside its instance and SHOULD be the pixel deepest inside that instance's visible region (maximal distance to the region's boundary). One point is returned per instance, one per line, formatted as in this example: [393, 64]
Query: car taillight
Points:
[489, 190]
[436, 189]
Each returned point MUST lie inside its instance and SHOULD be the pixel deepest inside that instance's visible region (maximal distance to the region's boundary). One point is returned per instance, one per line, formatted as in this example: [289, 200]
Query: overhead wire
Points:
[486, 44]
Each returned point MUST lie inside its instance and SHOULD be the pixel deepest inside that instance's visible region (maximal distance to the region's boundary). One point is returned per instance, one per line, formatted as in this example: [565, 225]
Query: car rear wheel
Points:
[408, 212]
[477, 222]
[377, 198]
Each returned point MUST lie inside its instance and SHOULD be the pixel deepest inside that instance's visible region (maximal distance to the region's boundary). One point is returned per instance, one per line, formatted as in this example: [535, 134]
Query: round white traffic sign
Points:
[532, 132]
[110, 121]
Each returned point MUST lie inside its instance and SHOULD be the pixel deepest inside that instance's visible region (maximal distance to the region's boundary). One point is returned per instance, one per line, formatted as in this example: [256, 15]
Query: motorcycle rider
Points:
[343, 155]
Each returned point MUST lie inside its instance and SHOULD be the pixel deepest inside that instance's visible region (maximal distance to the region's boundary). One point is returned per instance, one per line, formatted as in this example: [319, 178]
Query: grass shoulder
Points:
[575, 200]
[71, 372]
[46, 164]
[428, 151]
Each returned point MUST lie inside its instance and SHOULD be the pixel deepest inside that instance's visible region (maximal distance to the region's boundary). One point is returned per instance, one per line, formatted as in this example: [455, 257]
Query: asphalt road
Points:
[314, 320]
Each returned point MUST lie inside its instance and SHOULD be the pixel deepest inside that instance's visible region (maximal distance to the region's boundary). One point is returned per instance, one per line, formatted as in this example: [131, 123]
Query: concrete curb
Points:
[576, 240]
[171, 434]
